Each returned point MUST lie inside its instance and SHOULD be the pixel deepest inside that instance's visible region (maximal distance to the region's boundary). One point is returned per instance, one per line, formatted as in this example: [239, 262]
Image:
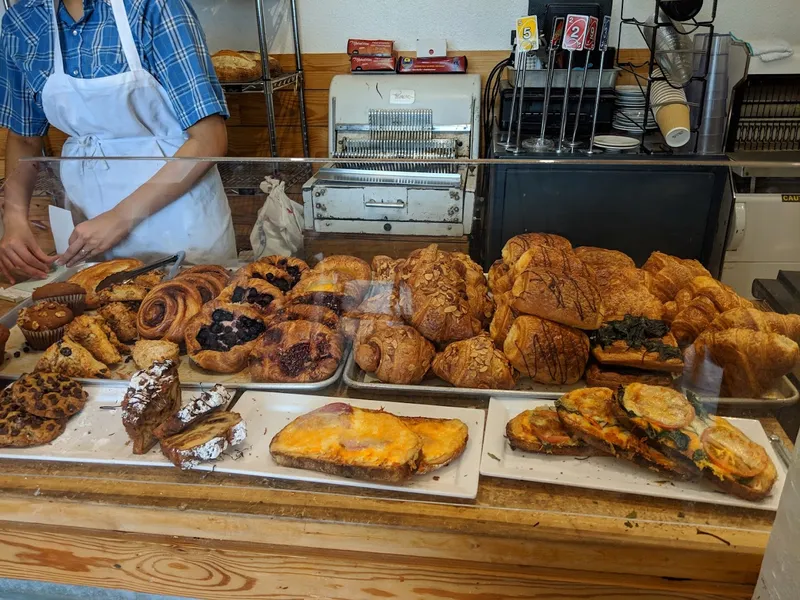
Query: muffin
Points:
[4, 333]
[43, 324]
[71, 294]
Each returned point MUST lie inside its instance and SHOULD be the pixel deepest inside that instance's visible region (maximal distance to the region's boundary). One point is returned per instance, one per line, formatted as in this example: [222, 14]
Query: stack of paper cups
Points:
[671, 111]
[713, 66]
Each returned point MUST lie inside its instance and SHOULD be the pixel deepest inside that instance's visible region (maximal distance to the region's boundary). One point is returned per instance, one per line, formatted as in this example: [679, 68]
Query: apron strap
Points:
[126, 35]
[58, 57]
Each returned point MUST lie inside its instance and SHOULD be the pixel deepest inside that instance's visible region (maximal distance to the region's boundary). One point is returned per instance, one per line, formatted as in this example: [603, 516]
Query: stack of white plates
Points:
[616, 143]
[629, 113]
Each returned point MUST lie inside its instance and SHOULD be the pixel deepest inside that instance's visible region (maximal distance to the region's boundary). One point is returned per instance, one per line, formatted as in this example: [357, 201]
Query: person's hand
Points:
[20, 253]
[95, 236]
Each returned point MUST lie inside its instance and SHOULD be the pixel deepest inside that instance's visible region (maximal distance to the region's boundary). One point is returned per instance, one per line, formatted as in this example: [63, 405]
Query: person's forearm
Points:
[20, 177]
[176, 178]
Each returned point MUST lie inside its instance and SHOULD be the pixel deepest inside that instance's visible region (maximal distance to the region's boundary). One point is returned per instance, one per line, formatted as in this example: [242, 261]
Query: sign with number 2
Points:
[575, 32]
[591, 35]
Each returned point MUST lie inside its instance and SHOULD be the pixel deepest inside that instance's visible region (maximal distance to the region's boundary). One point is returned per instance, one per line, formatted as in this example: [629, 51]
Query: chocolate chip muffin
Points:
[49, 395]
[70, 294]
[43, 324]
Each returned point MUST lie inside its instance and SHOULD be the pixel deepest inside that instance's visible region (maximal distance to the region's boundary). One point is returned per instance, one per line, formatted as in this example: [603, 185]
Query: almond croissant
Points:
[394, 353]
[756, 320]
[474, 363]
[699, 303]
[752, 362]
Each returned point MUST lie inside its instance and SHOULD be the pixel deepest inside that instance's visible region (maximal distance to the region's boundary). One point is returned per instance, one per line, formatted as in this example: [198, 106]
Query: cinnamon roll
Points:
[167, 309]
[256, 292]
[296, 352]
[220, 337]
[208, 284]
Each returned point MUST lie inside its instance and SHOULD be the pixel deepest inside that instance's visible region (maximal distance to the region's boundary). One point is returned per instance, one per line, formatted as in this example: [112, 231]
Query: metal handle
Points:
[780, 449]
[375, 204]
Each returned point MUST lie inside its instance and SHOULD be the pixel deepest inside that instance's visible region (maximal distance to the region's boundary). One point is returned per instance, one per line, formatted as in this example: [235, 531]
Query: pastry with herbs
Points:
[49, 395]
[296, 352]
[540, 430]
[69, 358]
[639, 343]
[547, 352]
[44, 324]
[21, 429]
[221, 336]
[153, 396]
[205, 441]
[394, 353]
[559, 297]
[475, 363]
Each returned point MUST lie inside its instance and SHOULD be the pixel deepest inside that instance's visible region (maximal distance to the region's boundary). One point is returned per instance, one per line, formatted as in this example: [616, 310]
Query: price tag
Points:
[575, 32]
[605, 34]
[528, 33]
[591, 34]
[558, 33]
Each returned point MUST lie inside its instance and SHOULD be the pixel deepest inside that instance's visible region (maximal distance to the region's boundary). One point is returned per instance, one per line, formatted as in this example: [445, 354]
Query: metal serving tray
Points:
[355, 377]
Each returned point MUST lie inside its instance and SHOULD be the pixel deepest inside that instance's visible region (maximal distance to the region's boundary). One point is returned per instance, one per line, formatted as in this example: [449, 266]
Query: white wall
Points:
[466, 24]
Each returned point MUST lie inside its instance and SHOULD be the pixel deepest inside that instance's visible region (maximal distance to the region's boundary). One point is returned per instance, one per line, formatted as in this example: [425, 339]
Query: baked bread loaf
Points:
[573, 301]
[237, 67]
[91, 277]
[519, 244]
[148, 352]
[704, 443]
[296, 352]
[639, 343]
[443, 441]
[752, 362]
[221, 336]
[699, 303]
[205, 441]
[340, 439]
[197, 410]
[499, 277]
[394, 353]
[756, 320]
[547, 352]
[503, 319]
[94, 334]
[69, 358]
[294, 266]
[329, 289]
[625, 292]
[167, 310]
[611, 378]
[671, 274]
[540, 430]
[602, 260]
[152, 397]
[121, 319]
[20, 429]
[474, 363]
[553, 259]
[254, 292]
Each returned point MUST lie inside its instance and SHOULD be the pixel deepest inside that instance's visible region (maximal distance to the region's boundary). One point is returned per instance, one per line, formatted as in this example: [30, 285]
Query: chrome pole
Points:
[596, 103]
[574, 143]
[517, 59]
[565, 104]
[301, 95]
[518, 146]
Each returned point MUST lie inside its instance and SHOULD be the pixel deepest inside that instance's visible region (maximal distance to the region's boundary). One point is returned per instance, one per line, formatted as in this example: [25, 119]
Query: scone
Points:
[147, 352]
[121, 318]
[94, 334]
[73, 360]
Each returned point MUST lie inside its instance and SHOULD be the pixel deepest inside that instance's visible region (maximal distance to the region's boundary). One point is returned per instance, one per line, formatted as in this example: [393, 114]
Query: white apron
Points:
[130, 114]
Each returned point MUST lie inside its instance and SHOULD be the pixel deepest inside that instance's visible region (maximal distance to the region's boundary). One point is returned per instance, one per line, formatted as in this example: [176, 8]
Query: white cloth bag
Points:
[279, 225]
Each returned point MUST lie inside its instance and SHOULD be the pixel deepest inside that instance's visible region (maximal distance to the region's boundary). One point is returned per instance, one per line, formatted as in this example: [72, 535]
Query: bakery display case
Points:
[568, 419]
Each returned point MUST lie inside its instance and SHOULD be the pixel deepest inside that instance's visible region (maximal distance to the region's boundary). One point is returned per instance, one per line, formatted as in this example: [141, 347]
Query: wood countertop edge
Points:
[558, 541]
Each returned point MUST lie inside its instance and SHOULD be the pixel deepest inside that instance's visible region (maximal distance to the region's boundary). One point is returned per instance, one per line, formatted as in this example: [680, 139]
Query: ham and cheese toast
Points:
[540, 430]
[588, 414]
[443, 441]
[340, 439]
[709, 444]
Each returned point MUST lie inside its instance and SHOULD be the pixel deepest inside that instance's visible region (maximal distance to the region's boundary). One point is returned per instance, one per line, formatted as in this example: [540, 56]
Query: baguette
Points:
[340, 439]
[540, 430]
[713, 447]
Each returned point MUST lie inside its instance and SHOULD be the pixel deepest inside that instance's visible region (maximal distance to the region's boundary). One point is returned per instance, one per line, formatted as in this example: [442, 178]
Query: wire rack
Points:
[765, 115]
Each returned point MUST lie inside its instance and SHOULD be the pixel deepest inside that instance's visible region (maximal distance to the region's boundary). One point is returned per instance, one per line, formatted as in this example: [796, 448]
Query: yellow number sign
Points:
[528, 33]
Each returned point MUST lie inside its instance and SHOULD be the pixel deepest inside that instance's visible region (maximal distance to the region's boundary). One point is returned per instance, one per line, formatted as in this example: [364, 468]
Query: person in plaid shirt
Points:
[123, 78]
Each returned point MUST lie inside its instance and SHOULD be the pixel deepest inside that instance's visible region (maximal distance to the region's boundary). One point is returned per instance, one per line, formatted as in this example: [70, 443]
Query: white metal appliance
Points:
[387, 118]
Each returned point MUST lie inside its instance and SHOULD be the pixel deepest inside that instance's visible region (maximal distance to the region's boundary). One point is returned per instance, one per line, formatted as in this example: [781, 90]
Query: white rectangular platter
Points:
[606, 473]
[96, 435]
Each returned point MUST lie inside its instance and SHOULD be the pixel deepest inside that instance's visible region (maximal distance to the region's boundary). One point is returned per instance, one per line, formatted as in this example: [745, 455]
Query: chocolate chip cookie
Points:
[20, 429]
[49, 395]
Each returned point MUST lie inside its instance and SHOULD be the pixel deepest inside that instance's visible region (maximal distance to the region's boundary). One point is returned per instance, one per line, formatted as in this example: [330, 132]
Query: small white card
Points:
[61, 224]
[427, 47]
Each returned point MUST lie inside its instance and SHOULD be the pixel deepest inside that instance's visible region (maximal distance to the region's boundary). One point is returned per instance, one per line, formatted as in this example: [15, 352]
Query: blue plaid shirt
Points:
[168, 36]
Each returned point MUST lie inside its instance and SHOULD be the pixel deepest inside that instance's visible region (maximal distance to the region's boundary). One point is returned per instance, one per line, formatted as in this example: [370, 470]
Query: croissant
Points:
[504, 316]
[440, 313]
[519, 244]
[295, 267]
[430, 263]
[552, 259]
[91, 277]
[671, 274]
[474, 363]
[384, 268]
[756, 320]
[624, 292]
[394, 353]
[167, 309]
[547, 352]
[573, 301]
[381, 307]
[699, 303]
[602, 259]
[752, 362]
[500, 279]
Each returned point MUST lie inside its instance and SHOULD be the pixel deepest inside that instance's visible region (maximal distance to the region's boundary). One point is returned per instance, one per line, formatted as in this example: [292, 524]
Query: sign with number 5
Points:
[575, 32]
